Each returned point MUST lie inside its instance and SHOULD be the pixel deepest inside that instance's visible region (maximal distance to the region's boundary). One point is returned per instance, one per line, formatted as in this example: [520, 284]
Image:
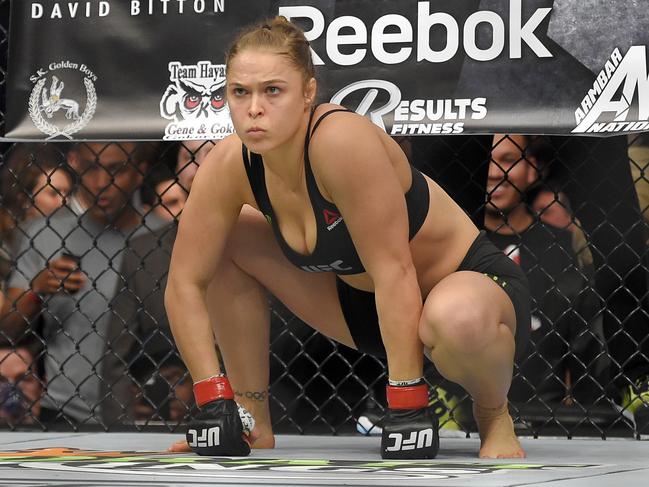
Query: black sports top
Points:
[334, 250]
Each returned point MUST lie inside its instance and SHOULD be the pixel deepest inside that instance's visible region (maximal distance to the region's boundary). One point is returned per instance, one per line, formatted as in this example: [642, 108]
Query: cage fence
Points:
[87, 233]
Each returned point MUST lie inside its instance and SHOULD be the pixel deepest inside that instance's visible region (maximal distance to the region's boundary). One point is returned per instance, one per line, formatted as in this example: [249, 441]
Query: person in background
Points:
[553, 207]
[66, 272]
[162, 194]
[639, 163]
[21, 389]
[191, 153]
[566, 355]
[50, 192]
[139, 325]
[34, 182]
[596, 176]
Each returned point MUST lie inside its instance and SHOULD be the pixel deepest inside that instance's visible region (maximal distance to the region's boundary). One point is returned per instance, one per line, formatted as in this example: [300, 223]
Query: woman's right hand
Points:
[259, 438]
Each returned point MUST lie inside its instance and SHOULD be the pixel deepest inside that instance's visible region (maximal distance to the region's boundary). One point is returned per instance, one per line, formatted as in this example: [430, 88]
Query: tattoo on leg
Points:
[253, 395]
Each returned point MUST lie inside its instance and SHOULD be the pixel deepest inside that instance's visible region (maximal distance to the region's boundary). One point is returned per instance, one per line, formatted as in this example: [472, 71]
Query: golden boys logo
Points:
[63, 100]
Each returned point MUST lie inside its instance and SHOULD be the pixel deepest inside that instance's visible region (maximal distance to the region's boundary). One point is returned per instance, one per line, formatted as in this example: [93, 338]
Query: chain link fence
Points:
[87, 232]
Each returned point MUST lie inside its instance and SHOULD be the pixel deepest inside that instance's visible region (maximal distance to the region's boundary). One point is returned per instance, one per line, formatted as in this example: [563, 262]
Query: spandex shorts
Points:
[359, 307]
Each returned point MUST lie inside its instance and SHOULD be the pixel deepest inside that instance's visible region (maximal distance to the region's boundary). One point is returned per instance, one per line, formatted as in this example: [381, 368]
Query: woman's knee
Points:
[457, 325]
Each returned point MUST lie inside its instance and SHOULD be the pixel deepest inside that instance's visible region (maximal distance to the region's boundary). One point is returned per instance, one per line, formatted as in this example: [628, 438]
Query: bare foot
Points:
[256, 439]
[497, 437]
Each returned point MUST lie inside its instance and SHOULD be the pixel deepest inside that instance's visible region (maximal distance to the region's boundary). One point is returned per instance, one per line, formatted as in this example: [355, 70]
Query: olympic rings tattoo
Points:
[253, 395]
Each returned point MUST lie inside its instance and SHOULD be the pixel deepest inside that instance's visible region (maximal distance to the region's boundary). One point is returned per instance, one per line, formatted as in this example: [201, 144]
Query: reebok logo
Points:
[206, 437]
[331, 219]
[417, 439]
[349, 39]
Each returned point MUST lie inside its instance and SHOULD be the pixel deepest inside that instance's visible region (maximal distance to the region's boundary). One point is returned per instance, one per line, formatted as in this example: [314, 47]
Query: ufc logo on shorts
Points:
[417, 439]
[207, 437]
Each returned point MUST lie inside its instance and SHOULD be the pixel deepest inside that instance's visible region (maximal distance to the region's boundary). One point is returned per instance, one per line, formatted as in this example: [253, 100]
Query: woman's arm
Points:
[210, 213]
[351, 162]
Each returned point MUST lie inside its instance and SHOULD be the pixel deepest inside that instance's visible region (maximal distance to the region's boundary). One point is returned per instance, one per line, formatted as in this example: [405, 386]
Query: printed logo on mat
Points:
[170, 464]
[64, 99]
[195, 103]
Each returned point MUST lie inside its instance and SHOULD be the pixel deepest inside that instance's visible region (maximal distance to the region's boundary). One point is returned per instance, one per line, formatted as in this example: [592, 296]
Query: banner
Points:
[154, 69]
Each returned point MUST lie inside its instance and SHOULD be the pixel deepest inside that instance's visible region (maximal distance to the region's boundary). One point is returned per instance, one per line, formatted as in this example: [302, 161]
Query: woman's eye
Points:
[239, 91]
[273, 90]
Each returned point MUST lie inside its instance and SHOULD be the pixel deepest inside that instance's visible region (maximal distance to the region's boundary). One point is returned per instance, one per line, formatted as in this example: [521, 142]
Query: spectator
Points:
[35, 182]
[53, 187]
[191, 154]
[639, 163]
[565, 355]
[139, 329]
[163, 391]
[162, 195]
[66, 271]
[596, 176]
[20, 387]
[553, 207]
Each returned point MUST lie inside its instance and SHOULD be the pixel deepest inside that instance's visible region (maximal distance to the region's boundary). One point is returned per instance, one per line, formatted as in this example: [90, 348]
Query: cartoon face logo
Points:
[195, 102]
[188, 99]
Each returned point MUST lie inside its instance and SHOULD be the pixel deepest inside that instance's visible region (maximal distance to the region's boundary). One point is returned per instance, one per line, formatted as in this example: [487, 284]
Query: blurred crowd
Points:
[87, 231]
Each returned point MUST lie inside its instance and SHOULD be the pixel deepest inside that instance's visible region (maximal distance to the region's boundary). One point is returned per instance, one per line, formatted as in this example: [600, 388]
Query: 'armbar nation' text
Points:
[613, 93]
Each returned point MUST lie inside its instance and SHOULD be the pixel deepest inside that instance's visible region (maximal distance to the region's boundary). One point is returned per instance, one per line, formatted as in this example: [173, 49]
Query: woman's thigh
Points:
[312, 297]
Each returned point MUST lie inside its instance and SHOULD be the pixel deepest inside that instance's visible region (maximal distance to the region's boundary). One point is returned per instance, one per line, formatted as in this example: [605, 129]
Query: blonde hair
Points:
[278, 35]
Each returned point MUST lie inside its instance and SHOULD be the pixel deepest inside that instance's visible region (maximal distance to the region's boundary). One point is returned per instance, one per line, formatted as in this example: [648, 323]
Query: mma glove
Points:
[410, 431]
[217, 430]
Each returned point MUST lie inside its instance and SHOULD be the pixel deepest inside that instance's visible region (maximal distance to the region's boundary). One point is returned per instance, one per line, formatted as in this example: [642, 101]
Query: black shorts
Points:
[359, 307]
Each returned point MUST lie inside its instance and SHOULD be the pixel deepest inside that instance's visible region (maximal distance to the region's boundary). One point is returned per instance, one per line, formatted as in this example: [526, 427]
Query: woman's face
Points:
[267, 97]
[50, 195]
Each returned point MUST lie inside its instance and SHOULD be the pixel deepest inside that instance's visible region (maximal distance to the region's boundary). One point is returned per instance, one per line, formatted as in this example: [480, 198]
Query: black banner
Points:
[126, 69]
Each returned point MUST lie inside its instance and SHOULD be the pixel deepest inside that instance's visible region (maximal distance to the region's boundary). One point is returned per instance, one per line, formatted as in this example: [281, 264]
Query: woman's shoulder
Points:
[224, 163]
[337, 123]
[227, 148]
[224, 156]
[324, 108]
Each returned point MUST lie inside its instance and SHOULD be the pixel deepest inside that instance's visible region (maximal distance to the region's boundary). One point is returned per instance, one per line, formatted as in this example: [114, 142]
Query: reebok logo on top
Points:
[331, 219]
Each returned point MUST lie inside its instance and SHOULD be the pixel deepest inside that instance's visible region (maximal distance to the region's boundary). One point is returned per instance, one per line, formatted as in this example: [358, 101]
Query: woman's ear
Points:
[310, 90]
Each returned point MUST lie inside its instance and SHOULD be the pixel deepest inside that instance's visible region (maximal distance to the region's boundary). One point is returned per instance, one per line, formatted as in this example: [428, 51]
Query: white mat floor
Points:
[138, 459]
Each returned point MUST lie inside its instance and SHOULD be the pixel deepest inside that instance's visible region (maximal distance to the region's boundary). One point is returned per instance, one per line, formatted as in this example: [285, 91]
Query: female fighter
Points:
[318, 206]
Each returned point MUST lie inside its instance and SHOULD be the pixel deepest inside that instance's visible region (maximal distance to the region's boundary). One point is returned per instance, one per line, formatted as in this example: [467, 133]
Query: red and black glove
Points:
[217, 430]
[410, 431]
